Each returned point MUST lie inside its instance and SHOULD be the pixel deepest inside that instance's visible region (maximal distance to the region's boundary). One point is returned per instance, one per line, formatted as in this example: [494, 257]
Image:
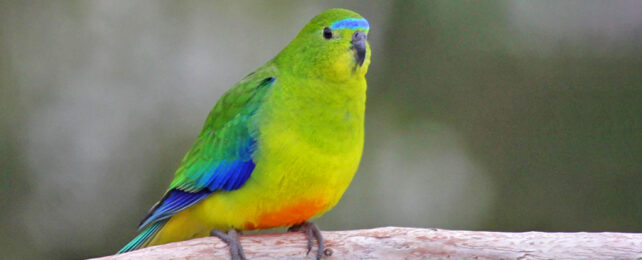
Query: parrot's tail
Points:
[144, 237]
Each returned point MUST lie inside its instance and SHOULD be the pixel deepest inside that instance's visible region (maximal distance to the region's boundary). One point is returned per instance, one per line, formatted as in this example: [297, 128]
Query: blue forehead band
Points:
[351, 23]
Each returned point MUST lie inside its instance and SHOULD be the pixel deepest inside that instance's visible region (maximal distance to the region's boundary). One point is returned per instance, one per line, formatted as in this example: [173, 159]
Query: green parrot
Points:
[279, 148]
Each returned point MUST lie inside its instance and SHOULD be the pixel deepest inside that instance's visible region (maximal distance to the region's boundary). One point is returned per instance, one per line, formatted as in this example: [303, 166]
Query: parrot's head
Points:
[332, 46]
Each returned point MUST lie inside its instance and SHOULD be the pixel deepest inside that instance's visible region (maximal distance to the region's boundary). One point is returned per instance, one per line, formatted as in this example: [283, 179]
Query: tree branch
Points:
[404, 243]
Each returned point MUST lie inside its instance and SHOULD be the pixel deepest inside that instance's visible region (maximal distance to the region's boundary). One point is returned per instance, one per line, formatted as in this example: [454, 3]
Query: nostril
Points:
[358, 35]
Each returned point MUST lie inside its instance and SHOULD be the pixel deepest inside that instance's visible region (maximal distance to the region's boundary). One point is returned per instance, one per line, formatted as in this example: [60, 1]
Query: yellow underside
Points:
[281, 192]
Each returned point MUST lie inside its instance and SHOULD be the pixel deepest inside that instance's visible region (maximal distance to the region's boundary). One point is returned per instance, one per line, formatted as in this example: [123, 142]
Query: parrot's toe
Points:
[312, 233]
[231, 238]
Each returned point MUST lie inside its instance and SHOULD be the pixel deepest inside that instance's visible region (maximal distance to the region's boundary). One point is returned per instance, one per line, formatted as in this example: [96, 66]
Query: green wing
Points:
[221, 157]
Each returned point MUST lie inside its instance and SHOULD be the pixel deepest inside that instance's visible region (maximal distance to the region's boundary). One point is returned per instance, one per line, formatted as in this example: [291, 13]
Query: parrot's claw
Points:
[231, 238]
[312, 232]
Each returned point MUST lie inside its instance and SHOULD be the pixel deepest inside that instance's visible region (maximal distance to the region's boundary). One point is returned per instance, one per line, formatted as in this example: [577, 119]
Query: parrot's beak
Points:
[359, 39]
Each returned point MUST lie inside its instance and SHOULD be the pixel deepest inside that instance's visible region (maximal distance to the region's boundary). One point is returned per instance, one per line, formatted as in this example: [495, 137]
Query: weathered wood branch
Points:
[411, 243]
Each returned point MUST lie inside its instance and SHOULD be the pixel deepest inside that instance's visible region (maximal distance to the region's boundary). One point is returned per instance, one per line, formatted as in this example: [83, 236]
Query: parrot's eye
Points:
[327, 33]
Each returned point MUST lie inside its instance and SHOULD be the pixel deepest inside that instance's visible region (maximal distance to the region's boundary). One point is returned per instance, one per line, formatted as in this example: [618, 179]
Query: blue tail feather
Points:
[143, 238]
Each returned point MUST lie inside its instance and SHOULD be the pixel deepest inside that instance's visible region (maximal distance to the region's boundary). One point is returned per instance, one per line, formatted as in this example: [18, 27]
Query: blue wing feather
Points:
[224, 175]
[174, 201]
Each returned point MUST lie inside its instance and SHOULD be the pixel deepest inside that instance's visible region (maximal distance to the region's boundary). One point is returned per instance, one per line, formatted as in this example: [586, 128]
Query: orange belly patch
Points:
[288, 215]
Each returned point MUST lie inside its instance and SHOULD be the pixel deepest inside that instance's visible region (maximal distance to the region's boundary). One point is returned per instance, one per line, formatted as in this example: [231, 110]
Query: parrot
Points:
[279, 148]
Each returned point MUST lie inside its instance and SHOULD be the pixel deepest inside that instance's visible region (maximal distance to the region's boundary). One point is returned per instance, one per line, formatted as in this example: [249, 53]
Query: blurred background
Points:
[500, 115]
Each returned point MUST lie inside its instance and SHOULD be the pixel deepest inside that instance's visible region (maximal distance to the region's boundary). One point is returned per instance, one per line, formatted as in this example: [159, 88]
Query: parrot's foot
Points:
[312, 232]
[231, 238]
